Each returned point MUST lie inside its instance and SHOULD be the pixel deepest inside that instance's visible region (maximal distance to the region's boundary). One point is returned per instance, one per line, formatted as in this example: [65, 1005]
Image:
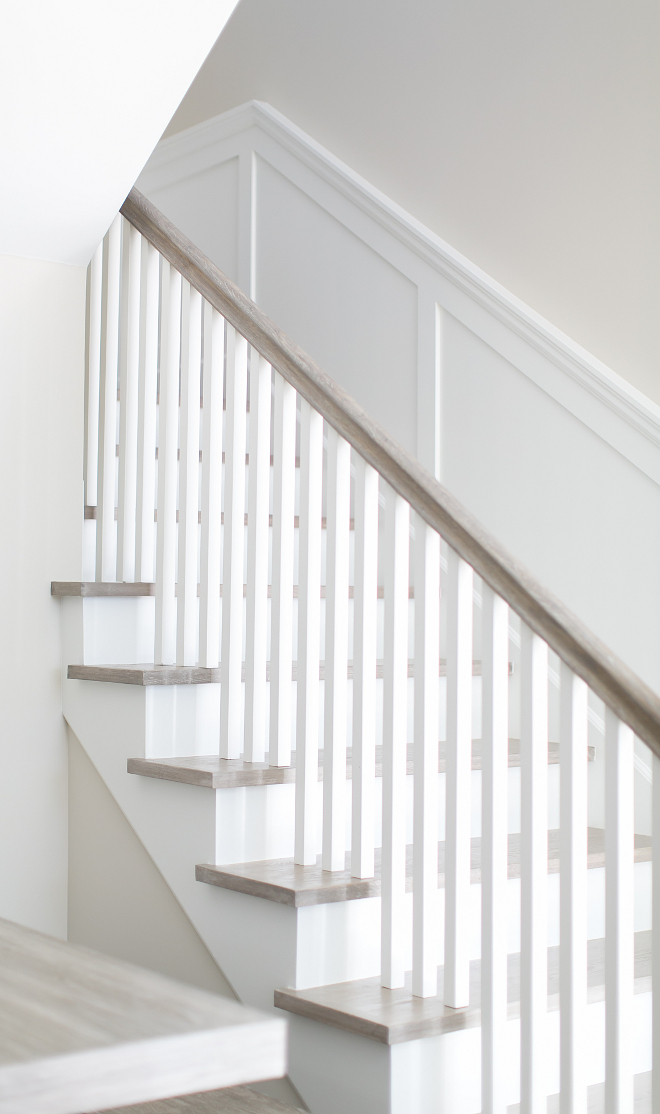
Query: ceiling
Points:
[86, 91]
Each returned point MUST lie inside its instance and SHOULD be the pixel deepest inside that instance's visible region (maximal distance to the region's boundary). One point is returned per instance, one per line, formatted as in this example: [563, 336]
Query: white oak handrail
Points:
[632, 700]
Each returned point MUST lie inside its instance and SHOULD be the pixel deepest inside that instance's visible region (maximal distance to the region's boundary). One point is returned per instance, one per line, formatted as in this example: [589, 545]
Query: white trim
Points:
[622, 416]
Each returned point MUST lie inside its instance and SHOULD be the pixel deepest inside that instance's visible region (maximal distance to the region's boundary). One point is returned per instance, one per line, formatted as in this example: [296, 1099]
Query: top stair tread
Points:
[392, 1016]
[147, 673]
[232, 1100]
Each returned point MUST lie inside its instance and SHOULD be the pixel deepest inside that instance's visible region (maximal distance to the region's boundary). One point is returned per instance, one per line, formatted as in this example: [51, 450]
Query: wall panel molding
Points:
[599, 397]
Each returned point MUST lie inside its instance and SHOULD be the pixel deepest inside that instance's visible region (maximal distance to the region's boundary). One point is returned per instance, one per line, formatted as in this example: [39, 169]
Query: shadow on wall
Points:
[118, 901]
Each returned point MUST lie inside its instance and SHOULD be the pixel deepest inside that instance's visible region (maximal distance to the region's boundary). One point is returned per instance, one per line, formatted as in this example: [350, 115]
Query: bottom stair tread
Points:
[392, 1016]
[232, 1100]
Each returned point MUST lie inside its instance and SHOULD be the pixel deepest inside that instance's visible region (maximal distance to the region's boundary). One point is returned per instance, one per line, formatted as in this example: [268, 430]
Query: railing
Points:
[207, 385]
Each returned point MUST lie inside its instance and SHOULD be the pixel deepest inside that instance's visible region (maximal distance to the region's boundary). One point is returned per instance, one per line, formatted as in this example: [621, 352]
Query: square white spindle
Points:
[168, 443]
[106, 535]
[459, 587]
[396, 560]
[533, 872]
[365, 628]
[94, 308]
[338, 510]
[494, 850]
[231, 660]
[573, 821]
[256, 648]
[426, 924]
[619, 915]
[281, 624]
[147, 414]
[129, 400]
[309, 622]
[211, 542]
[189, 483]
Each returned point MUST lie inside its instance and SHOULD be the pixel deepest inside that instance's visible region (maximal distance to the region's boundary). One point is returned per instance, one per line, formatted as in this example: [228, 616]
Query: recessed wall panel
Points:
[205, 207]
[341, 301]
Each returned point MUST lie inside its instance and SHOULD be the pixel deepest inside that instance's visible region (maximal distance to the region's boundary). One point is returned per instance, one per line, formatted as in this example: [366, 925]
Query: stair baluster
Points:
[281, 622]
[211, 503]
[147, 415]
[426, 922]
[181, 337]
[129, 374]
[189, 440]
[619, 915]
[92, 380]
[106, 531]
[458, 809]
[231, 657]
[494, 849]
[168, 442]
[256, 646]
[365, 637]
[396, 558]
[573, 743]
[309, 635]
[533, 871]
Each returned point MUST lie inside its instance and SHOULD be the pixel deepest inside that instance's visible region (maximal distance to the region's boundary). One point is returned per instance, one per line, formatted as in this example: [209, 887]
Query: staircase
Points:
[402, 794]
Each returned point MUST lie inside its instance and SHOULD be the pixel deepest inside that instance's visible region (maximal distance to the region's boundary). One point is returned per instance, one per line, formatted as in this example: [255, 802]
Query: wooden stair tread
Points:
[99, 588]
[392, 1016]
[284, 882]
[212, 772]
[147, 588]
[78, 1028]
[149, 674]
[232, 1100]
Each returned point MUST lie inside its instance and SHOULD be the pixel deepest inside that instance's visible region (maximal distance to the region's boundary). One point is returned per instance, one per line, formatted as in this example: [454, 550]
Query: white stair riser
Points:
[350, 931]
[335, 1070]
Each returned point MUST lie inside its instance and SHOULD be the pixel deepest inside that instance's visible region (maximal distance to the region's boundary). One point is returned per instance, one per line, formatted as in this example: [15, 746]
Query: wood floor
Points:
[235, 1100]
[78, 1028]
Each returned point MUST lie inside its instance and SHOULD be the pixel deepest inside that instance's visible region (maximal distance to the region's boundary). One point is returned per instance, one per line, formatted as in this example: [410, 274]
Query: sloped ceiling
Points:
[86, 90]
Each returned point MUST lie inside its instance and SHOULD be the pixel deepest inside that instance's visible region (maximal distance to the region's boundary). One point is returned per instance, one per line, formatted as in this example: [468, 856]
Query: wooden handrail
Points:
[617, 685]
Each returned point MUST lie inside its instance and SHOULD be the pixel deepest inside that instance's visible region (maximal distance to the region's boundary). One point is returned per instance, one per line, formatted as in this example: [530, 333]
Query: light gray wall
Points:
[42, 337]
[527, 135]
[120, 904]
[118, 901]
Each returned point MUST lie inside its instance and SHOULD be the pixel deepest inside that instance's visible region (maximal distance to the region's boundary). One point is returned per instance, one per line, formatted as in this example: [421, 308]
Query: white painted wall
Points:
[525, 135]
[42, 307]
[553, 451]
[86, 91]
